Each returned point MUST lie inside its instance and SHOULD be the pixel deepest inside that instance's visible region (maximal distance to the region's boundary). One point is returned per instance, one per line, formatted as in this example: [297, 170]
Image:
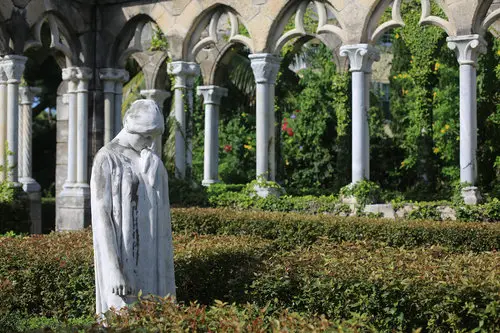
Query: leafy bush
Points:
[398, 289]
[294, 229]
[53, 275]
[48, 280]
[14, 211]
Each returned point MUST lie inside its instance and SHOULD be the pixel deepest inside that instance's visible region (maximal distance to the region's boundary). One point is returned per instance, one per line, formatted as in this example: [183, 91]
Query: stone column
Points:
[467, 49]
[361, 58]
[73, 204]
[159, 96]
[189, 124]
[83, 75]
[3, 122]
[13, 66]
[211, 99]
[123, 77]
[69, 75]
[30, 185]
[181, 71]
[108, 76]
[265, 69]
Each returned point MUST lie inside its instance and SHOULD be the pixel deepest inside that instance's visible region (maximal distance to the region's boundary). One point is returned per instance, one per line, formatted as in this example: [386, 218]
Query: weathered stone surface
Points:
[131, 214]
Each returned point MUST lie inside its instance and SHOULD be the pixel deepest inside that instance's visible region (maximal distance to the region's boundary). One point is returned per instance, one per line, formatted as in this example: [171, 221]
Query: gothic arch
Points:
[373, 31]
[209, 22]
[330, 27]
[63, 40]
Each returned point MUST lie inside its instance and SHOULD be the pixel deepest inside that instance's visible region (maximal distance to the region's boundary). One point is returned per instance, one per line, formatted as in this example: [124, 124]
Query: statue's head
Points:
[143, 122]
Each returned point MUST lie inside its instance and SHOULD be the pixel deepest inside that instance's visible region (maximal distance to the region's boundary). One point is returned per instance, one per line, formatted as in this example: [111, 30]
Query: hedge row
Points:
[53, 275]
[290, 229]
[162, 315]
[396, 288]
[390, 288]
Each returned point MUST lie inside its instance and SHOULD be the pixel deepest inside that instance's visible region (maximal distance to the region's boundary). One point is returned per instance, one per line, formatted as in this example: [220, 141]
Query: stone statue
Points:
[131, 226]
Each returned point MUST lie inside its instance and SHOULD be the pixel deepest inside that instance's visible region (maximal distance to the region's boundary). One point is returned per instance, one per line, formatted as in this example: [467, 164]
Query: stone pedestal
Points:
[361, 58]
[467, 49]
[211, 100]
[182, 71]
[73, 208]
[265, 69]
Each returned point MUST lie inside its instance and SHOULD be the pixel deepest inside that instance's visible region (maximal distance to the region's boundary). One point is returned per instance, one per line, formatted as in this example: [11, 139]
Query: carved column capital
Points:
[467, 48]
[111, 76]
[13, 67]
[184, 72]
[27, 94]
[69, 74]
[265, 67]
[83, 75]
[212, 94]
[3, 75]
[361, 56]
[157, 95]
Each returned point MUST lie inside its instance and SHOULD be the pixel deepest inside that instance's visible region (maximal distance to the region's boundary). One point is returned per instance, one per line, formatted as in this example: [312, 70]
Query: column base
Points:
[33, 190]
[73, 208]
[264, 192]
[471, 195]
[208, 182]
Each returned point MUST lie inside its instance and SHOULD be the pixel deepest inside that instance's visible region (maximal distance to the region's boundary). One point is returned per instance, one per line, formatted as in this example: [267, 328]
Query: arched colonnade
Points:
[93, 40]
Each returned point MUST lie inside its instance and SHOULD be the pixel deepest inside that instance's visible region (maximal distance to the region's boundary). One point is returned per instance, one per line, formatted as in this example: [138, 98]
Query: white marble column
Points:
[69, 75]
[83, 75]
[181, 71]
[30, 185]
[265, 69]
[189, 124]
[108, 77]
[211, 100]
[361, 58]
[3, 122]
[159, 96]
[467, 49]
[13, 66]
[123, 77]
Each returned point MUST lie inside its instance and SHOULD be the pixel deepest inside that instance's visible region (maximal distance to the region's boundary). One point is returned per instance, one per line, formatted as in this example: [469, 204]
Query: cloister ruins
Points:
[92, 40]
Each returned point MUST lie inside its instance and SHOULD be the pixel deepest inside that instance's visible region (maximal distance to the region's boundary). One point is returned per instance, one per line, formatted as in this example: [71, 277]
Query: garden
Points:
[303, 260]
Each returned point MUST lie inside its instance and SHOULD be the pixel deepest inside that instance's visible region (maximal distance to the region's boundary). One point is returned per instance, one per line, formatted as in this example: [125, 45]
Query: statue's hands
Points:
[121, 288]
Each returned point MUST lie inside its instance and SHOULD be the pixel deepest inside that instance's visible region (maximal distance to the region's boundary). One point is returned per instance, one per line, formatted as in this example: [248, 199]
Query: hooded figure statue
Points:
[131, 225]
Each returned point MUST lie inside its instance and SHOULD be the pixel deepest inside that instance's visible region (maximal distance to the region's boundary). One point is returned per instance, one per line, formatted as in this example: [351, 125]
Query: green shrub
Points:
[165, 316]
[48, 281]
[296, 229]
[53, 275]
[14, 211]
[398, 289]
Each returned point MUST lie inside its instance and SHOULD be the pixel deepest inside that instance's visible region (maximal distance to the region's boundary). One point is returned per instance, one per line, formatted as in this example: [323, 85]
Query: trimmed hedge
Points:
[53, 275]
[162, 315]
[290, 229]
[278, 261]
[396, 288]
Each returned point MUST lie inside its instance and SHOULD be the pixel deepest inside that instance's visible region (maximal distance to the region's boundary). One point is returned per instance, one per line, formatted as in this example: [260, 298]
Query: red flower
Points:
[228, 148]
[289, 130]
[297, 110]
[284, 126]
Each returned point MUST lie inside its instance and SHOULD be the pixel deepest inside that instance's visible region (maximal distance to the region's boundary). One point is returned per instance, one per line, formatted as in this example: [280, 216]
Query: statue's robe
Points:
[131, 226]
